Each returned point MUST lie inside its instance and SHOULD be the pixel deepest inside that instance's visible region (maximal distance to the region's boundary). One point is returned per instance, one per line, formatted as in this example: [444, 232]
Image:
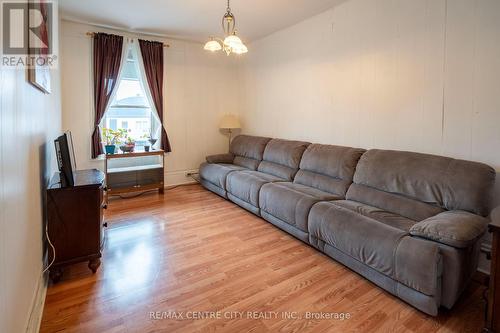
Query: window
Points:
[130, 108]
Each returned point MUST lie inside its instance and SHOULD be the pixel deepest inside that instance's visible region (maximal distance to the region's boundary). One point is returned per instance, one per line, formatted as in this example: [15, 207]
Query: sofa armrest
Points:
[221, 158]
[455, 228]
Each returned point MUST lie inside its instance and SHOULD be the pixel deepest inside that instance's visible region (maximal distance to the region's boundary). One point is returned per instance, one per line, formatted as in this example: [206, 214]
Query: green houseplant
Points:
[108, 135]
[129, 144]
[112, 137]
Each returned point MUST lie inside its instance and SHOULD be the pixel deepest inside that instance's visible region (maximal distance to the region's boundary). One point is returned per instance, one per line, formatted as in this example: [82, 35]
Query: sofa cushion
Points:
[282, 158]
[291, 202]
[359, 236]
[389, 250]
[398, 204]
[380, 215]
[221, 158]
[439, 181]
[248, 150]
[246, 184]
[217, 173]
[328, 168]
[455, 228]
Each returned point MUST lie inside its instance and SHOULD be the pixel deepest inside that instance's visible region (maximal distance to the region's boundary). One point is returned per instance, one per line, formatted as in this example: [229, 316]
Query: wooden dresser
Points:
[75, 220]
[493, 311]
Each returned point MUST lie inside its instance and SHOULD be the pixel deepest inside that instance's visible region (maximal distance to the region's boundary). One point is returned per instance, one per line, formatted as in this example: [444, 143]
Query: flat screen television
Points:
[65, 155]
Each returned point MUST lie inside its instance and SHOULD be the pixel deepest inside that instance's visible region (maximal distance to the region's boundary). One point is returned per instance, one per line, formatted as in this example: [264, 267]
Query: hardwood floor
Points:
[191, 252]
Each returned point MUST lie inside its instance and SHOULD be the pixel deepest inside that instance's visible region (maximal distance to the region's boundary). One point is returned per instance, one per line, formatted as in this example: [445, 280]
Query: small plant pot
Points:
[146, 148]
[110, 149]
[127, 148]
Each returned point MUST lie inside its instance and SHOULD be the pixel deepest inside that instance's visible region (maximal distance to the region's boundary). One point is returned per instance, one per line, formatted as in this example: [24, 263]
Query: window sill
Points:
[98, 158]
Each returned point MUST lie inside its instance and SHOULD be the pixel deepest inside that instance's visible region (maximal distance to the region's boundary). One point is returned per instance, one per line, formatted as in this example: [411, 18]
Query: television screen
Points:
[65, 159]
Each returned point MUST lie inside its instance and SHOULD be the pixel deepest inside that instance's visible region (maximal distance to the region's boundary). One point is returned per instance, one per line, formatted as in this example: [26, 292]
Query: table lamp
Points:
[230, 122]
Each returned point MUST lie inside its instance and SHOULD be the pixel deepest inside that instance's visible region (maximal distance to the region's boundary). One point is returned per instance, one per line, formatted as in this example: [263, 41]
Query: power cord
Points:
[193, 176]
[53, 249]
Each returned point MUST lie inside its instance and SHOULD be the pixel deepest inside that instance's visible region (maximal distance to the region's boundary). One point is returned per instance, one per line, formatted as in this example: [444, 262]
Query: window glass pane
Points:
[113, 124]
[130, 70]
[130, 93]
[136, 120]
[130, 109]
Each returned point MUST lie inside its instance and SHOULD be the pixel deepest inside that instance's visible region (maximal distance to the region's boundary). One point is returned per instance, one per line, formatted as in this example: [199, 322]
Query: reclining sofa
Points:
[408, 222]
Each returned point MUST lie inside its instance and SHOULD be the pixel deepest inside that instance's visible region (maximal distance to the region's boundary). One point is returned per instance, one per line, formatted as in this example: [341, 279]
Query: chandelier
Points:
[231, 42]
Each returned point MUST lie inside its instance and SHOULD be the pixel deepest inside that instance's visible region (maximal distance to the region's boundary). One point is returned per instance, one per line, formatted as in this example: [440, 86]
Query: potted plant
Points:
[146, 146]
[110, 137]
[150, 139]
[129, 145]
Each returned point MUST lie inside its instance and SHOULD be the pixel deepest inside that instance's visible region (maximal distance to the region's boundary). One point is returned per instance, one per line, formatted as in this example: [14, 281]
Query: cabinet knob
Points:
[105, 206]
[105, 224]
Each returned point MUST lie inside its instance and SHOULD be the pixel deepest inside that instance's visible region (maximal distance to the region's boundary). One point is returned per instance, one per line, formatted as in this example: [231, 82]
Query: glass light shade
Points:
[240, 49]
[213, 46]
[230, 121]
[232, 41]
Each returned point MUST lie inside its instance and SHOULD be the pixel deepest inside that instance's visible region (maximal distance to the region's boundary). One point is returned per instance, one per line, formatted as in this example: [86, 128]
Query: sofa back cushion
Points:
[282, 158]
[328, 168]
[419, 185]
[248, 150]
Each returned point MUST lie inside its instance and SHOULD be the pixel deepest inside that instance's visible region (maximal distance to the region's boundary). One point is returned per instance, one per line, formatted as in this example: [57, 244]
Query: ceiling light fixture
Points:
[231, 43]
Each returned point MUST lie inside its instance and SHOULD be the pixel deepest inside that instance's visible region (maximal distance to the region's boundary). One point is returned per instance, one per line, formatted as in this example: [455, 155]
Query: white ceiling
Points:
[194, 19]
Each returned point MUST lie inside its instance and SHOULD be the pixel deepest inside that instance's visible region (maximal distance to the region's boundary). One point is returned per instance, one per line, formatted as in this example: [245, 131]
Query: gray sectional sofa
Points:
[408, 222]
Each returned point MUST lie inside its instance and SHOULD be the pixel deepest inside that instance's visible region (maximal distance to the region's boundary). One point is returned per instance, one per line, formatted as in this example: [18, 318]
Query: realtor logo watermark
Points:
[27, 33]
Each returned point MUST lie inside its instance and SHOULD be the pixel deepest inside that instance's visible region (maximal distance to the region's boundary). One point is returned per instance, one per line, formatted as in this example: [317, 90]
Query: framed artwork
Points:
[39, 45]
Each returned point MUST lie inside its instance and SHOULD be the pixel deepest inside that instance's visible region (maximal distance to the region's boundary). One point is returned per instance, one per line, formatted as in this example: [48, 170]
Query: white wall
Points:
[29, 122]
[410, 75]
[199, 88]
[413, 75]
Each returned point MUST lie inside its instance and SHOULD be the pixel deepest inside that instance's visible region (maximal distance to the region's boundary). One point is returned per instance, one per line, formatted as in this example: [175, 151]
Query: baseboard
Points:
[35, 317]
[175, 178]
[171, 186]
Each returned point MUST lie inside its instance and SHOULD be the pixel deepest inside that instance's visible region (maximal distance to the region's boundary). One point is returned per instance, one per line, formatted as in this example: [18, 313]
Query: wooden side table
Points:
[493, 310]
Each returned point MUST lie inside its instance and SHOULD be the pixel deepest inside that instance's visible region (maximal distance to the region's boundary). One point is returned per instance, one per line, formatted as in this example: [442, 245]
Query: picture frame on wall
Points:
[39, 43]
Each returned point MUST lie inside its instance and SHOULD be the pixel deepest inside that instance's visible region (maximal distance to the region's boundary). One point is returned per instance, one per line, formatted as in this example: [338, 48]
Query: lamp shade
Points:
[240, 49]
[233, 41]
[230, 122]
[212, 45]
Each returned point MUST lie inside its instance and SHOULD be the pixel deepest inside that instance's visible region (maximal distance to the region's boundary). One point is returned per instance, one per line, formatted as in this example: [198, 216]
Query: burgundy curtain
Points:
[107, 59]
[152, 55]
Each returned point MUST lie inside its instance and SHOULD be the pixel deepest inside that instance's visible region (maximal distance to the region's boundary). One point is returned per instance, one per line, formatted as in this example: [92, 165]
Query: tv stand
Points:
[75, 221]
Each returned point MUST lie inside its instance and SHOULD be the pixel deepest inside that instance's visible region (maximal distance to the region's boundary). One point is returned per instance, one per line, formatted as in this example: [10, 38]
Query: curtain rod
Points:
[91, 34]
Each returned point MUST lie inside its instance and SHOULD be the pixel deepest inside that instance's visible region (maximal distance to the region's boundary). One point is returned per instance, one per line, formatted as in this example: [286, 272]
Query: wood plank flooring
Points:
[191, 253]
